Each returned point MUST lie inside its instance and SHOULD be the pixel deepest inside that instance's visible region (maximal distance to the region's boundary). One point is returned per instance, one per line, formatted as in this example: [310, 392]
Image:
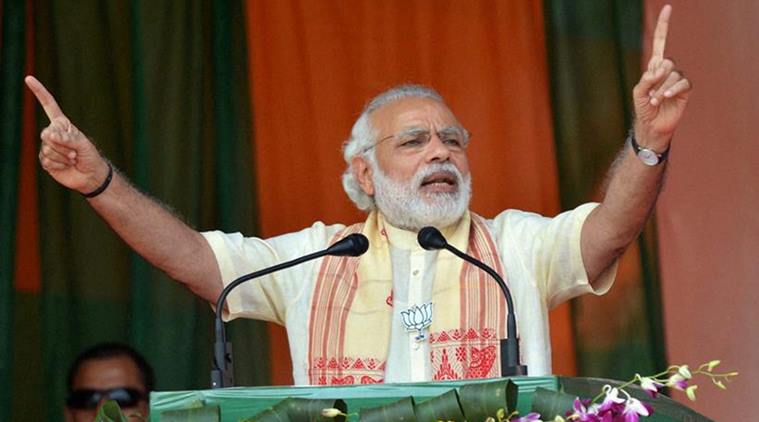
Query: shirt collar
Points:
[405, 239]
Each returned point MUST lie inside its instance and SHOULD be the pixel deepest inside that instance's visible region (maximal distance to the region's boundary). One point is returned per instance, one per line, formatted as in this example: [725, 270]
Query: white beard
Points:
[405, 207]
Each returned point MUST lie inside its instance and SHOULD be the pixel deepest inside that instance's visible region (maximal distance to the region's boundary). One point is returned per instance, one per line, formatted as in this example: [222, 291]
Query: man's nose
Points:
[437, 150]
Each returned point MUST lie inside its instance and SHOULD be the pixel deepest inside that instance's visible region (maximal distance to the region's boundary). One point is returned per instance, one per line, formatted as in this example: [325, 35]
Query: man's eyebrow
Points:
[452, 129]
[416, 130]
[412, 130]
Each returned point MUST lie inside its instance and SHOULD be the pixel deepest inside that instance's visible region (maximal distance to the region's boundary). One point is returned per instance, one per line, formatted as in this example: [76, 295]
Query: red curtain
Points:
[27, 265]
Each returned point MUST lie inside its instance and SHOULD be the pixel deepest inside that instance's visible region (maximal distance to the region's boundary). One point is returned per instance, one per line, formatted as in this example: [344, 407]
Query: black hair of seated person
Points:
[112, 350]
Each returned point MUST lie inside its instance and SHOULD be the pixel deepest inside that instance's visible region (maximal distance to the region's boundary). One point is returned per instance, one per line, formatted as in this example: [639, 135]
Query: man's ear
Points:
[362, 171]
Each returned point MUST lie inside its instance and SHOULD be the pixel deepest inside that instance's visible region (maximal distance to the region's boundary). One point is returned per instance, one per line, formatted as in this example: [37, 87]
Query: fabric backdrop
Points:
[707, 217]
[595, 55]
[234, 114]
[161, 89]
[314, 64]
[310, 59]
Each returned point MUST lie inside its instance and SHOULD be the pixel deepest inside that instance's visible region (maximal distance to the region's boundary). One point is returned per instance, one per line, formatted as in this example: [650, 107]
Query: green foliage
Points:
[401, 410]
[443, 407]
[194, 414]
[549, 402]
[298, 409]
[479, 401]
[473, 402]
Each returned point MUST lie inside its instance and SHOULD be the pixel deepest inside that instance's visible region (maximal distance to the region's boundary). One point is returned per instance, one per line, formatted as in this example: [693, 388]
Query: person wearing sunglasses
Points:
[108, 371]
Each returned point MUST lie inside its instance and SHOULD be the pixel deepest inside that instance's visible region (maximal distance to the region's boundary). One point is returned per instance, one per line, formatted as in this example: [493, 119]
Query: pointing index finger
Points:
[45, 98]
[660, 35]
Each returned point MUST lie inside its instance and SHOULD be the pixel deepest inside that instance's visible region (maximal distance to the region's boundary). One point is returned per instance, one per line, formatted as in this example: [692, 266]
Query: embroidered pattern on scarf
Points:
[472, 350]
[469, 350]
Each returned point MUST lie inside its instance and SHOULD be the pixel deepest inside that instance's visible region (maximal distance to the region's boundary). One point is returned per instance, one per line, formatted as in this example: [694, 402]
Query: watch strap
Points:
[638, 149]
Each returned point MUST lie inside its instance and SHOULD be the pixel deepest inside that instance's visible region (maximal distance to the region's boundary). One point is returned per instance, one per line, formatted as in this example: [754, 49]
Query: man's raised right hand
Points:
[66, 153]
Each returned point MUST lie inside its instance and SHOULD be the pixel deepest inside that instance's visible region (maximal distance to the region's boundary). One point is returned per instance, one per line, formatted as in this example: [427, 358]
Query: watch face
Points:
[648, 157]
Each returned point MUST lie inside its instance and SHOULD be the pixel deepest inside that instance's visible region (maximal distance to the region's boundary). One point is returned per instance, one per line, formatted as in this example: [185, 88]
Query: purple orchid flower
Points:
[612, 402]
[650, 386]
[530, 417]
[580, 412]
[677, 382]
[634, 409]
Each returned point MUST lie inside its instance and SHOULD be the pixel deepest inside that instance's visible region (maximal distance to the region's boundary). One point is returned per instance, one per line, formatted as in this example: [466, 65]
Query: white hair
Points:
[404, 208]
[363, 136]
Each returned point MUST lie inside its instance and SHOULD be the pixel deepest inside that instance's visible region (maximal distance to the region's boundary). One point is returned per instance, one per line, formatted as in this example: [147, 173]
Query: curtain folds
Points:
[314, 64]
[12, 58]
[161, 88]
[171, 93]
[594, 54]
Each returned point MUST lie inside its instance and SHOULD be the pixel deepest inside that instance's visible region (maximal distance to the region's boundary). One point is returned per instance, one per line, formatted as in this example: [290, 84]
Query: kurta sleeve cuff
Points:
[222, 246]
[580, 284]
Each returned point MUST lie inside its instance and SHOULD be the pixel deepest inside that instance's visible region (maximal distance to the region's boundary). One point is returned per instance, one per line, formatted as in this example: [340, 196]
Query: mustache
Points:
[437, 168]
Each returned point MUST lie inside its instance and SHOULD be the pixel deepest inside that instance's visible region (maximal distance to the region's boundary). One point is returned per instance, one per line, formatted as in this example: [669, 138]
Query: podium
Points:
[243, 402]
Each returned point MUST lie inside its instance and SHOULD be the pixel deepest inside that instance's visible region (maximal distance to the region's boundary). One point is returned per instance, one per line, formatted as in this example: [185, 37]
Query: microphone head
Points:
[431, 239]
[355, 244]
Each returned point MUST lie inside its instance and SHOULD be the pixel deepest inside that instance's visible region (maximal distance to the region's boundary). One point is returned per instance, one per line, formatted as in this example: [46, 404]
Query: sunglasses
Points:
[89, 399]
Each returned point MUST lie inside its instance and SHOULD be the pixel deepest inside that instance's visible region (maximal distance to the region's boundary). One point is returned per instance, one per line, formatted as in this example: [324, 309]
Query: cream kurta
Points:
[541, 258]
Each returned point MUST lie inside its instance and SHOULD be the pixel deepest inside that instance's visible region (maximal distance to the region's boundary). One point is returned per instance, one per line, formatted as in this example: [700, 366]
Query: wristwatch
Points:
[648, 156]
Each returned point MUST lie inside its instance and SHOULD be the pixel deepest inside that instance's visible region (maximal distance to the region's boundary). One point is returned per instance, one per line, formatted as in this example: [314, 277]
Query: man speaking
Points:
[399, 312]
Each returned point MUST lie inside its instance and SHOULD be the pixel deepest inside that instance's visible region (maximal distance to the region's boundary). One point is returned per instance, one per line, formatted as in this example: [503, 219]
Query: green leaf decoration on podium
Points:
[297, 409]
[473, 402]
[444, 407]
[196, 414]
[483, 400]
[270, 415]
[401, 410]
[549, 402]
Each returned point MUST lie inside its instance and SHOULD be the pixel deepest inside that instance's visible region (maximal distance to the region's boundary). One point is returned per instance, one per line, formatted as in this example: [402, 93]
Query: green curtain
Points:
[594, 51]
[12, 58]
[162, 89]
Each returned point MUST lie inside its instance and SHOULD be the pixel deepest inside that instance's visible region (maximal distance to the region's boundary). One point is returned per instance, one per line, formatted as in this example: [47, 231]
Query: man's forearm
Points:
[629, 199]
[159, 236]
[72, 160]
[659, 99]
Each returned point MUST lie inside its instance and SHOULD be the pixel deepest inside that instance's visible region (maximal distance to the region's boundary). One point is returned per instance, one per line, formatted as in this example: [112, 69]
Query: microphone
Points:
[430, 238]
[222, 372]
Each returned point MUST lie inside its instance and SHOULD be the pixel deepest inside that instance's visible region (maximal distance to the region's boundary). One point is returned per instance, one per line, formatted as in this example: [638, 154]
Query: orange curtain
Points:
[314, 64]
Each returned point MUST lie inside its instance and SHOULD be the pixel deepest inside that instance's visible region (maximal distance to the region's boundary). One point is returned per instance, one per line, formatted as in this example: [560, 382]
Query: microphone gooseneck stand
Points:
[222, 370]
[430, 238]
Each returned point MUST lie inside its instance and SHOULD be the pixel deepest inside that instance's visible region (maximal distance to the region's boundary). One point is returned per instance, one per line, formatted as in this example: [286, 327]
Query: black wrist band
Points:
[102, 187]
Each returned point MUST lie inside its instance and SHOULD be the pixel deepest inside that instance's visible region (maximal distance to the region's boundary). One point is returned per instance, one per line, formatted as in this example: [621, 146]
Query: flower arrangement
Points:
[562, 399]
[613, 403]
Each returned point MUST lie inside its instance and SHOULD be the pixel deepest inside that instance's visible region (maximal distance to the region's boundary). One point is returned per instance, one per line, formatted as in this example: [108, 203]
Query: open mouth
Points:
[440, 179]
